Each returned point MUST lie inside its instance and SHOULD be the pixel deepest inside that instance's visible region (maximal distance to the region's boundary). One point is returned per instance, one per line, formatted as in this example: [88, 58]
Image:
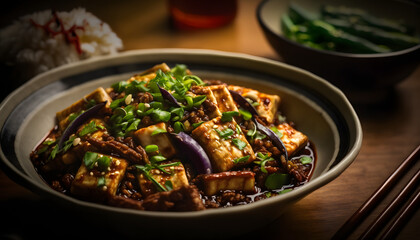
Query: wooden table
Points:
[391, 127]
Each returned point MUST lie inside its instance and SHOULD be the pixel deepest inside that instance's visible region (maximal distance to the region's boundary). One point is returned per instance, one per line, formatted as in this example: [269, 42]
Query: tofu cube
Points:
[232, 180]
[219, 140]
[292, 139]
[176, 176]
[224, 99]
[146, 136]
[267, 104]
[99, 95]
[98, 184]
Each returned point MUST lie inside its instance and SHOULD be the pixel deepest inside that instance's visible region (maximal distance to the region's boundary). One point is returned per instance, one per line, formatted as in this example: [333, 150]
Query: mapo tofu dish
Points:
[167, 140]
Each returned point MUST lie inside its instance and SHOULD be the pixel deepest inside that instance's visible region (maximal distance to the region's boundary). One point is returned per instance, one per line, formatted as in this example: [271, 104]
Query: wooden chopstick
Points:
[386, 214]
[400, 220]
[376, 197]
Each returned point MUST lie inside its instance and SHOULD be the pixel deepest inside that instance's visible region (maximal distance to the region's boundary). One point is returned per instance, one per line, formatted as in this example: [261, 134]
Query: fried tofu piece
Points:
[80, 146]
[150, 73]
[292, 139]
[267, 105]
[220, 141]
[174, 174]
[98, 184]
[147, 136]
[224, 99]
[232, 180]
[99, 95]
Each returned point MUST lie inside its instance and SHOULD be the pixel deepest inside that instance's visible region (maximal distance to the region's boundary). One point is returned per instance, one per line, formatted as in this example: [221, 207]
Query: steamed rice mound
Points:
[38, 42]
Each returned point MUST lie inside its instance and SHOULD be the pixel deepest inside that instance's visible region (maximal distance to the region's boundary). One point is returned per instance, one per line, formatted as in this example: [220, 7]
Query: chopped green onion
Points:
[157, 158]
[195, 125]
[276, 131]
[241, 159]
[305, 160]
[246, 115]
[168, 185]
[133, 126]
[151, 148]
[228, 116]
[179, 127]
[197, 101]
[158, 131]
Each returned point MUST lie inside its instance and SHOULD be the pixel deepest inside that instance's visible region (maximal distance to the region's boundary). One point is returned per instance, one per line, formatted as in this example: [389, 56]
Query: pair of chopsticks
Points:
[391, 209]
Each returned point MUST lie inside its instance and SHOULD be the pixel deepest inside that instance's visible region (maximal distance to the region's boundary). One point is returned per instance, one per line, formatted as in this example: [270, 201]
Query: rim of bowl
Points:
[265, 27]
[328, 176]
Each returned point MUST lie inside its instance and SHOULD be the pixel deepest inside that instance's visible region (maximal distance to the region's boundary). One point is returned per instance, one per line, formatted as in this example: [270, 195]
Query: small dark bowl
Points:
[363, 75]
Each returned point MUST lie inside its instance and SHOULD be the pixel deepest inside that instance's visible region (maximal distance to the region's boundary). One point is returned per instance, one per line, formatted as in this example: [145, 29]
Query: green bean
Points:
[395, 40]
[363, 17]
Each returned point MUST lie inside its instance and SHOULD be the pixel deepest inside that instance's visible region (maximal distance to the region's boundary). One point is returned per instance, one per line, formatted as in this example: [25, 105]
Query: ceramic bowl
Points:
[368, 74]
[319, 109]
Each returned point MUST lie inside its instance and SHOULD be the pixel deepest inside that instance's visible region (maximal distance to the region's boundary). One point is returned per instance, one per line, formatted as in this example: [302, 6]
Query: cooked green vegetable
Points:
[346, 29]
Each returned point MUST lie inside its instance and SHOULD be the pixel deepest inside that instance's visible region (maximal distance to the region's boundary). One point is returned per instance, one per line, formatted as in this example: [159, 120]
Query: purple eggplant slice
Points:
[79, 120]
[243, 102]
[194, 152]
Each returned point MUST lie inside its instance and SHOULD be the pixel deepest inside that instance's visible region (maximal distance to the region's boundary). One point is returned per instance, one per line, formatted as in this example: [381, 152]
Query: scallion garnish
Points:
[226, 133]
[241, 159]
[239, 143]
[228, 116]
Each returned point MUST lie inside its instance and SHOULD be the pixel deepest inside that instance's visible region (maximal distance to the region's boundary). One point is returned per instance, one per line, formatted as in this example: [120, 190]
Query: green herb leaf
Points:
[239, 143]
[104, 162]
[228, 116]
[89, 128]
[101, 181]
[159, 115]
[276, 180]
[226, 133]
[89, 159]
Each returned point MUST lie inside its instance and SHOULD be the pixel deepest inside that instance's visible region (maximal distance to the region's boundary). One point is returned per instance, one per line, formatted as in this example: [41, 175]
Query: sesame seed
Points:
[91, 173]
[104, 188]
[147, 105]
[128, 99]
[76, 141]
[117, 162]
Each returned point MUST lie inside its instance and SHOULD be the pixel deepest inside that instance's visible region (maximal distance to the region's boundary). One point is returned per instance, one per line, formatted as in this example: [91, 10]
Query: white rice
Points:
[31, 50]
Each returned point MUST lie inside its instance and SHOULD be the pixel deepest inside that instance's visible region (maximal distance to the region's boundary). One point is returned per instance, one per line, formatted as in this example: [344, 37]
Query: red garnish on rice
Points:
[69, 34]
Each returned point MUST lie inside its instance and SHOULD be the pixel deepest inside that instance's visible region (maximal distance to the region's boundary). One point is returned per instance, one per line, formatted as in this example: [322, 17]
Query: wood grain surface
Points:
[391, 128]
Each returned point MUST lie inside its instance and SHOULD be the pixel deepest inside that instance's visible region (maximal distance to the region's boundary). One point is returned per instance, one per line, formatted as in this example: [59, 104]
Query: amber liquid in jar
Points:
[203, 14]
